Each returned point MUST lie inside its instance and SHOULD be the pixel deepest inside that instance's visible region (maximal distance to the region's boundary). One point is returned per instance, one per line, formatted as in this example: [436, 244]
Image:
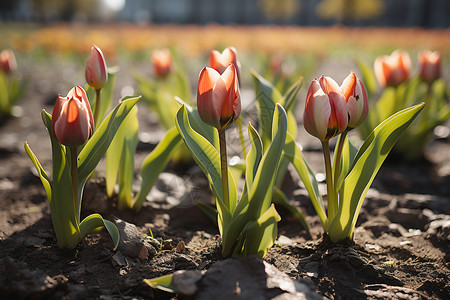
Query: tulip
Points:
[7, 61]
[162, 62]
[325, 114]
[356, 98]
[218, 97]
[220, 61]
[96, 73]
[429, 65]
[394, 69]
[72, 121]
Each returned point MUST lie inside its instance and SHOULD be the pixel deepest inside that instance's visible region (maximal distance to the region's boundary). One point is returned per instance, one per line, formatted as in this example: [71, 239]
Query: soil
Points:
[400, 250]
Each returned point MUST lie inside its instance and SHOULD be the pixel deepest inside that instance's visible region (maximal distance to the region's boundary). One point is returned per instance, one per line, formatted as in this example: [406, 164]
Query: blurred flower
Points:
[162, 62]
[356, 97]
[96, 72]
[276, 65]
[429, 65]
[325, 114]
[7, 61]
[220, 61]
[394, 69]
[72, 121]
[218, 97]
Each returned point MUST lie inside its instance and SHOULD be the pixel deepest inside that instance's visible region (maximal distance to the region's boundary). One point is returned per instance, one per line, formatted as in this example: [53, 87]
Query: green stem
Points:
[337, 164]
[74, 171]
[224, 167]
[241, 137]
[97, 105]
[332, 207]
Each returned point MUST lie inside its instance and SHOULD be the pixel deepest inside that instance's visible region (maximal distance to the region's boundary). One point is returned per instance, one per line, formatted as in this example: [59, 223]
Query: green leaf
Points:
[209, 211]
[290, 99]
[95, 222]
[163, 283]
[208, 159]
[348, 154]
[258, 199]
[260, 193]
[97, 145]
[368, 78]
[261, 234]
[154, 164]
[279, 198]
[253, 157]
[293, 152]
[366, 164]
[42, 174]
[266, 96]
[120, 160]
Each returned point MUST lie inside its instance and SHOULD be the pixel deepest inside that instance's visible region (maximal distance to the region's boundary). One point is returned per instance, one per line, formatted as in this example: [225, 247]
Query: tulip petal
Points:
[328, 85]
[348, 85]
[208, 111]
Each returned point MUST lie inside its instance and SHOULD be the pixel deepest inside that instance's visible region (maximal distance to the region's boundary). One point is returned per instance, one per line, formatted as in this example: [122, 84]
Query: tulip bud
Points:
[325, 114]
[162, 62]
[218, 97]
[96, 73]
[429, 65]
[356, 97]
[72, 121]
[394, 69]
[220, 61]
[7, 61]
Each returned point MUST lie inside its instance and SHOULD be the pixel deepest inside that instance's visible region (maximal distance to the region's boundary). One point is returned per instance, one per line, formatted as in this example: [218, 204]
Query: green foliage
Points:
[247, 226]
[120, 160]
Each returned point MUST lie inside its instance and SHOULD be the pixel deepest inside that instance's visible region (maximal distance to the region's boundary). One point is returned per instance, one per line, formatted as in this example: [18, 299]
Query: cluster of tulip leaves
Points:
[411, 145]
[358, 168]
[65, 215]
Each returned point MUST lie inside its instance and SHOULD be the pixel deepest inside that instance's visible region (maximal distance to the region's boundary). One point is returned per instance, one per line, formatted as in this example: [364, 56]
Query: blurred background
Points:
[380, 13]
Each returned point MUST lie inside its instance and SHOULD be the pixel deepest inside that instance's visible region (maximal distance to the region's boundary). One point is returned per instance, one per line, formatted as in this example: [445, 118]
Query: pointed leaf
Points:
[290, 99]
[368, 78]
[42, 174]
[208, 158]
[261, 234]
[163, 283]
[154, 164]
[279, 198]
[97, 145]
[266, 96]
[294, 154]
[94, 222]
[260, 193]
[120, 159]
[366, 164]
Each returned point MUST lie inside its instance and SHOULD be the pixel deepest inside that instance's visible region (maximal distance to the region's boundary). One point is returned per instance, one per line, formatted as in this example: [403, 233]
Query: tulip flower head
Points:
[356, 97]
[7, 61]
[162, 62]
[96, 72]
[429, 65]
[218, 97]
[394, 69]
[325, 114]
[72, 121]
[220, 61]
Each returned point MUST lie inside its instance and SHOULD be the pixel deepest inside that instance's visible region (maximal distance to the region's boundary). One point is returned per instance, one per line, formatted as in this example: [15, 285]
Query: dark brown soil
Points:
[401, 247]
